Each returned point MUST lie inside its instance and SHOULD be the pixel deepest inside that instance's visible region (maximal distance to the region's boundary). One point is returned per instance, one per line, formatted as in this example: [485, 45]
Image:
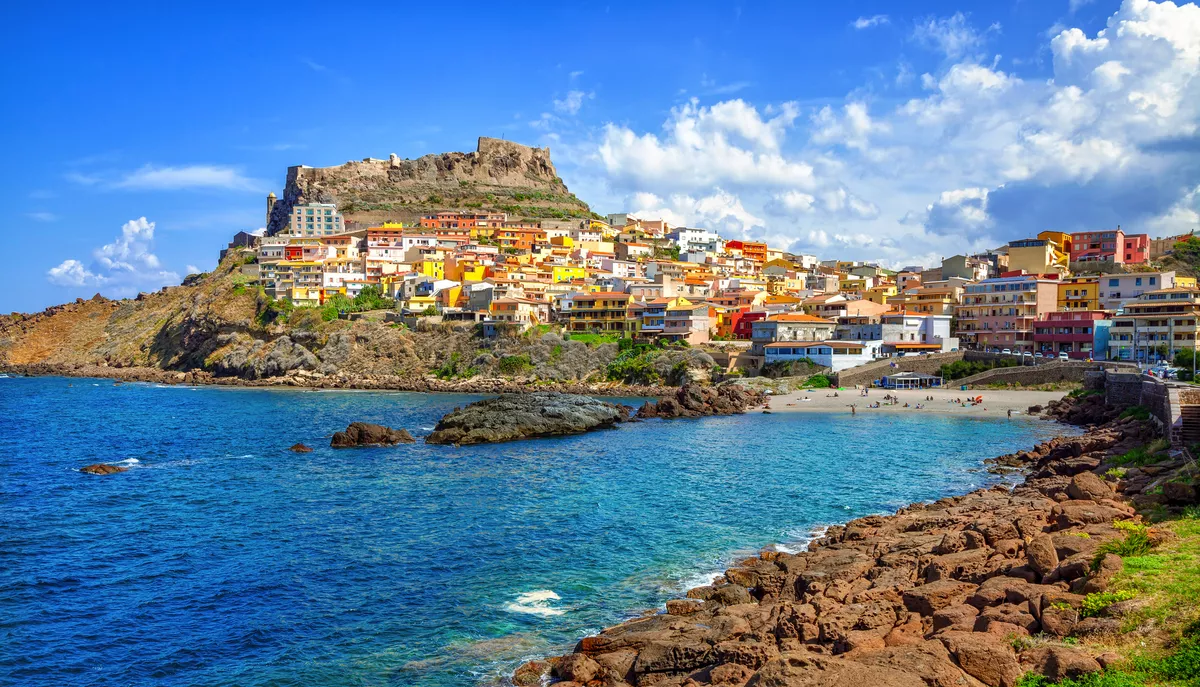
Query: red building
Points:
[1081, 334]
[742, 322]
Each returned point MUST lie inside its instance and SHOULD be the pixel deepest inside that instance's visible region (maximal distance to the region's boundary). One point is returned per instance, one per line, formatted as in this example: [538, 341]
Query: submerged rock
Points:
[300, 448]
[367, 434]
[102, 469]
[526, 416]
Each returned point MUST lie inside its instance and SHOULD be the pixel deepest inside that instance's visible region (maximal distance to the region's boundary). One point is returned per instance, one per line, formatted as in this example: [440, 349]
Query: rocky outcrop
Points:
[693, 400]
[498, 173]
[300, 448]
[932, 595]
[102, 469]
[526, 416]
[367, 434]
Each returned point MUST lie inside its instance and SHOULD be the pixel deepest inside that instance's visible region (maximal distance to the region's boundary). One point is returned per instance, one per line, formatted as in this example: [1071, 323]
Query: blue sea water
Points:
[220, 558]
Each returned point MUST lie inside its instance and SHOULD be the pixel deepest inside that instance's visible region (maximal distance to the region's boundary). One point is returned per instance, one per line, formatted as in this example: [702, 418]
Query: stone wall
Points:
[1049, 373]
[869, 372]
[1123, 389]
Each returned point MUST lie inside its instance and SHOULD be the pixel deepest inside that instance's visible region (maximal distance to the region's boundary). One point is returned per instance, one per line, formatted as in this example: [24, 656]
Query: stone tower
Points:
[270, 206]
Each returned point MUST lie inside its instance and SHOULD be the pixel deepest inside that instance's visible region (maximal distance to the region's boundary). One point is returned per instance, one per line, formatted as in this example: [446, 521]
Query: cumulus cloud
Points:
[127, 264]
[982, 156]
[867, 22]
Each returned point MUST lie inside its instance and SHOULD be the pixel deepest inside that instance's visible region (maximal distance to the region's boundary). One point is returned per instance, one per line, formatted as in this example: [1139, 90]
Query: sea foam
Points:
[535, 603]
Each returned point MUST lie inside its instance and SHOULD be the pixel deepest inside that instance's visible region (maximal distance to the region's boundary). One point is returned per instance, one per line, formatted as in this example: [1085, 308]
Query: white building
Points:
[316, 219]
[703, 240]
[1118, 289]
[836, 355]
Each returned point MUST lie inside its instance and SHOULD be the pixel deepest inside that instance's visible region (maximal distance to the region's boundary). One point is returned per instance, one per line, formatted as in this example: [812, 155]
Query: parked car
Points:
[1006, 351]
[1063, 356]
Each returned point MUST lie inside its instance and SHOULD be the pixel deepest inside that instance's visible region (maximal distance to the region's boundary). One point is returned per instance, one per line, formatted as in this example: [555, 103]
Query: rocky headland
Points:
[939, 594]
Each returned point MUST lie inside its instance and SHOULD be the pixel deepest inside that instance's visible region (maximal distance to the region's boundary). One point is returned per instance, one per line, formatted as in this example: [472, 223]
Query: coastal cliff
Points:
[978, 589]
[500, 176]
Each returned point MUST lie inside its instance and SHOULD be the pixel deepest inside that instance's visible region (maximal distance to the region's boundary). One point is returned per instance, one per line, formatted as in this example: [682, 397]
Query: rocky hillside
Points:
[220, 328]
[500, 175]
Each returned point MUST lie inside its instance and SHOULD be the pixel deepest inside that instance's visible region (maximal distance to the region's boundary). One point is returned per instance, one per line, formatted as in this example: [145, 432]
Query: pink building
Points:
[1110, 246]
[1000, 313]
[1081, 334]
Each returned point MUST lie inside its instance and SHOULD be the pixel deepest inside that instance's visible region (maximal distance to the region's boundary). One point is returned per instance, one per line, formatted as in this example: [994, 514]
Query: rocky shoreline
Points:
[305, 379]
[938, 594]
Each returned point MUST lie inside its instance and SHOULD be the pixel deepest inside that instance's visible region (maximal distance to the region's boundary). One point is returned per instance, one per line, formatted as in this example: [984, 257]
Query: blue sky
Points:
[898, 132]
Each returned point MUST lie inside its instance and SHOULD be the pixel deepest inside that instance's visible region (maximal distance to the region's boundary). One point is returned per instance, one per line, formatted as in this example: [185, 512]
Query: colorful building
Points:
[603, 311]
[999, 313]
[1081, 334]
[1079, 293]
[1156, 325]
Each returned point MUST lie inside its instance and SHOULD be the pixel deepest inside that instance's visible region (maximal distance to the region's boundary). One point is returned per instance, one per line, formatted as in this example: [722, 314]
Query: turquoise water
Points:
[221, 558]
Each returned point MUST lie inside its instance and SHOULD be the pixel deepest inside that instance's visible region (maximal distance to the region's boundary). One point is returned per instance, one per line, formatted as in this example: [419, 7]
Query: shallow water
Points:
[220, 558]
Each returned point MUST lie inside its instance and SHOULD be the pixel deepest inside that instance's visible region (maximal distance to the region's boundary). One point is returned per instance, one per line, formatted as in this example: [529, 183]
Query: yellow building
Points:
[562, 273]
[430, 268]
[1049, 252]
[603, 311]
[880, 294]
[1185, 282]
[1079, 293]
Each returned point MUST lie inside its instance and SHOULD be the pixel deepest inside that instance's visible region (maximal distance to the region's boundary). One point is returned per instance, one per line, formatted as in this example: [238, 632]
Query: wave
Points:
[128, 462]
[535, 603]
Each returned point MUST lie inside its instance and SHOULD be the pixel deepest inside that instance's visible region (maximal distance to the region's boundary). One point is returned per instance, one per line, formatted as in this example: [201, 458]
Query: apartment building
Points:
[1000, 312]
[1081, 334]
[316, 219]
[1118, 289]
[1156, 325]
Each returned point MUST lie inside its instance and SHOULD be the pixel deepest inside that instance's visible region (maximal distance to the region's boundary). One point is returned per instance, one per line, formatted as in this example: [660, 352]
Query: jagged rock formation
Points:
[102, 469]
[692, 400]
[525, 416]
[499, 175]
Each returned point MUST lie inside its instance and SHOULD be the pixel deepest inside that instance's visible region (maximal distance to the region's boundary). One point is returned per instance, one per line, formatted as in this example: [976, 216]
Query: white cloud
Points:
[571, 104]
[867, 22]
[192, 269]
[154, 178]
[953, 36]
[42, 216]
[127, 264]
[73, 273]
[1074, 5]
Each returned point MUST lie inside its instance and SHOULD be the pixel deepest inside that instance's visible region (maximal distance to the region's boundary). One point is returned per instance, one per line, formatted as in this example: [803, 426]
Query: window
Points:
[1114, 282]
[1152, 280]
[1137, 282]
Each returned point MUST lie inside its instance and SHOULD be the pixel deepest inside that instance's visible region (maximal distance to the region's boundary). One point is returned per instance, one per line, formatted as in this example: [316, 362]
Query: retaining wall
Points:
[869, 372]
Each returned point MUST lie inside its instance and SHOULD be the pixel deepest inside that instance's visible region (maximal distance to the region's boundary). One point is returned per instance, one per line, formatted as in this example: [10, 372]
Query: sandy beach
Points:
[995, 403]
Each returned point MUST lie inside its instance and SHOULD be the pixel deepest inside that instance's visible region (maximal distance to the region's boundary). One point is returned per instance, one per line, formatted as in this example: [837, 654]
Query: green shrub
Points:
[1094, 604]
[818, 382]
[515, 364]
[1136, 543]
[1139, 412]
[1143, 455]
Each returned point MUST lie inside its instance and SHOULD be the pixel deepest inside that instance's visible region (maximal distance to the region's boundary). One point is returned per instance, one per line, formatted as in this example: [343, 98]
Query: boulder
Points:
[802, 669]
[928, 660]
[1059, 663]
[300, 448]
[693, 400]
[957, 617]
[530, 674]
[1059, 621]
[576, 668]
[1095, 627]
[102, 469]
[986, 657]
[1180, 493]
[1087, 486]
[526, 416]
[1082, 513]
[930, 598]
[671, 656]
[367, 434]
[1041, 555]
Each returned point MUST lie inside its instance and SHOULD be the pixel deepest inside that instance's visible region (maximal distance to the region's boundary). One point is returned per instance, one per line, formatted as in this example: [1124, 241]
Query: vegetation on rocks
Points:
[965, 368]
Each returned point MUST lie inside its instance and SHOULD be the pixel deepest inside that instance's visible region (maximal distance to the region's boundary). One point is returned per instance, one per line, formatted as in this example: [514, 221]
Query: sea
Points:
[222, 558]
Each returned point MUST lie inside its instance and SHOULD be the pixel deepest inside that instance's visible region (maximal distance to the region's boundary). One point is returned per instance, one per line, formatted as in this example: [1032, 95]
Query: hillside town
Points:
[1085, 296]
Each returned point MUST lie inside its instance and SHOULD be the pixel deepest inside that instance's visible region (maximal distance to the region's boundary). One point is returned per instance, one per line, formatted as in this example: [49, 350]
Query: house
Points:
[836, 355]
[603, 311]
[1110, 246]
[1042, 255]
[520, 311]
[790, 327]
[654, 315]
[1081, 334]
[690, 322]
[1079, 293]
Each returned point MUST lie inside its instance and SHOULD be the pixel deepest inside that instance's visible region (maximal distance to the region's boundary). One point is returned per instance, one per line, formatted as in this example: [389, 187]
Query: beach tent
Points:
[910, 380]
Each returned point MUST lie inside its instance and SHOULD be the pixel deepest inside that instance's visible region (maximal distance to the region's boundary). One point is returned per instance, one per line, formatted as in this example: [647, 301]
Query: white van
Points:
[1063, 356]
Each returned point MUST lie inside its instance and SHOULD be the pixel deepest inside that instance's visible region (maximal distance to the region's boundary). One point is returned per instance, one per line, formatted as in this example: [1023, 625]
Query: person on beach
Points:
[852, 409]
[1010, 412]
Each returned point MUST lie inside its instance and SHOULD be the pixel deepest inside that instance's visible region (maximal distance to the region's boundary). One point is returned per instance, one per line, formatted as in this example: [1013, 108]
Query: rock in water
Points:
[526, 416]
[300, 448]
[366, 434]
[693, 400]
[102, 469]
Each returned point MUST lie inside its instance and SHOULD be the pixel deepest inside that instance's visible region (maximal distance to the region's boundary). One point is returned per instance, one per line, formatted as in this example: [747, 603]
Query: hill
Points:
[500, 175]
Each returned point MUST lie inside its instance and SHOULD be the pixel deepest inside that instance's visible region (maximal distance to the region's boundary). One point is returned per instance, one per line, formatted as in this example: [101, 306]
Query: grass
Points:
[1095, 604]
[596, 339]
[1143, 455]
[1139, 412]
[1168, 579]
